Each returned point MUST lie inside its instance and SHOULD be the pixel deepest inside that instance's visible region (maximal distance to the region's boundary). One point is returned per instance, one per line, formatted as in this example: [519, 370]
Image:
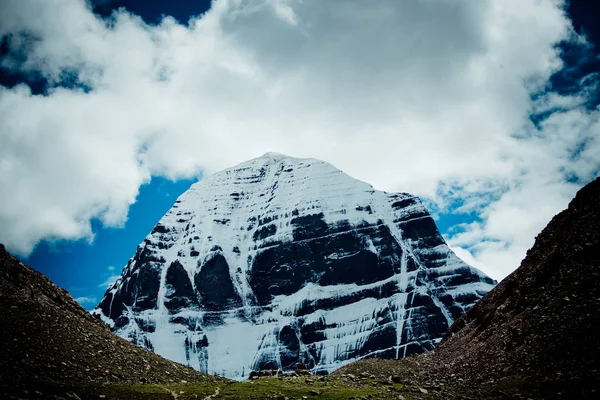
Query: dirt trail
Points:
[212, 396]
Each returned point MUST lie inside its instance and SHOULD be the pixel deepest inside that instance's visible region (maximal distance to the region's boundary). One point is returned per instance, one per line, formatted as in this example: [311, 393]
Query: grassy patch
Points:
[266, 388]
[294, 388]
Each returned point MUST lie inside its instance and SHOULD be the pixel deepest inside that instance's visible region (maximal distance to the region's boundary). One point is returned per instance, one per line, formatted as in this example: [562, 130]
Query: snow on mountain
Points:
[281, 260]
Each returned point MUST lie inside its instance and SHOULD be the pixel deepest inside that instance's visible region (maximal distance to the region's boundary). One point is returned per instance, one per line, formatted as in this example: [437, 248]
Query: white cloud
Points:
[86, 300]
[112, 278]
[406, 95]
[109, 281]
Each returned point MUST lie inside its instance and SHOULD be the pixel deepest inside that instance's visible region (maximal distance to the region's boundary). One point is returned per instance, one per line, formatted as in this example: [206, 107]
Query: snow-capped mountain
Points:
[282, 260]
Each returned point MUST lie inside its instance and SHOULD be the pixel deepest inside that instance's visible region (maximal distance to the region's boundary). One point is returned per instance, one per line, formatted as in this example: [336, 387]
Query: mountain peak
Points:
[275, 156]
[273, 263]
[272, 157]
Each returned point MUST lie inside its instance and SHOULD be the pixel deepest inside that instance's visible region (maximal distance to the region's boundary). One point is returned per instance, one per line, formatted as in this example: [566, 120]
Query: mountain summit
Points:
[282, 260]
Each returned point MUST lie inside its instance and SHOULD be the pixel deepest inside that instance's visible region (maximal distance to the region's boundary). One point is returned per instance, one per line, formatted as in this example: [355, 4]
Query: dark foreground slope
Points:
[541, 321]
[46, 338]
[538, 329]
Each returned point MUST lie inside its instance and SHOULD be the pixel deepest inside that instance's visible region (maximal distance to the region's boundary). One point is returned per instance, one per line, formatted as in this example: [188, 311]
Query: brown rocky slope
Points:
[538, 329]
[47, 338]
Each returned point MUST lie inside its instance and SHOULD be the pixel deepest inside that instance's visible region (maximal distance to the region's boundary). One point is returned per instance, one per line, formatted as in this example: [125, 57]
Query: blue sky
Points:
[102, 129]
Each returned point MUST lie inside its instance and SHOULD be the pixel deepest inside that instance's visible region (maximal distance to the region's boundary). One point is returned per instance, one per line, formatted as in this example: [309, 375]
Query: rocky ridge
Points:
[47, 338]
[537, 330]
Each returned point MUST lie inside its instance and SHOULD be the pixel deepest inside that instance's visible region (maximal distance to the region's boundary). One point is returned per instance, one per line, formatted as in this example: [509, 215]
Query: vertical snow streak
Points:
[162, 313]
[113, 292]
[401, 302]
[443, 309]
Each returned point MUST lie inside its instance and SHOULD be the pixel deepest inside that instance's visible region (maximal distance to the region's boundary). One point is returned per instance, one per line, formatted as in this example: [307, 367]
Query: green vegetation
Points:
[347, 387]
[266, 388]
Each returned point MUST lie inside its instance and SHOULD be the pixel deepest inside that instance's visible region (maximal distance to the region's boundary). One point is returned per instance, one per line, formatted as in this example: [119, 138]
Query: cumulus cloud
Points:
[433, 99]
[83, 300]
[109, 281]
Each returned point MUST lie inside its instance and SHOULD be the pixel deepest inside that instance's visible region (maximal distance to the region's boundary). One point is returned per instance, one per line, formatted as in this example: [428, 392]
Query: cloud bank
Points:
[83, 300]
[433, 98]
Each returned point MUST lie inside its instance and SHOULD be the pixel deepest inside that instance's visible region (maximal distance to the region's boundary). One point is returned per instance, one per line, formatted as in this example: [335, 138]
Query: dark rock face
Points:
[281, 261]
[284, 269]
[214, 285]
[180, 293]
[290, 352]
[140, 292]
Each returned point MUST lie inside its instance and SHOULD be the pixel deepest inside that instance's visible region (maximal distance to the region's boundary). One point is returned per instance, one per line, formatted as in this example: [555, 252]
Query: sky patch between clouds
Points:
[432, 98]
